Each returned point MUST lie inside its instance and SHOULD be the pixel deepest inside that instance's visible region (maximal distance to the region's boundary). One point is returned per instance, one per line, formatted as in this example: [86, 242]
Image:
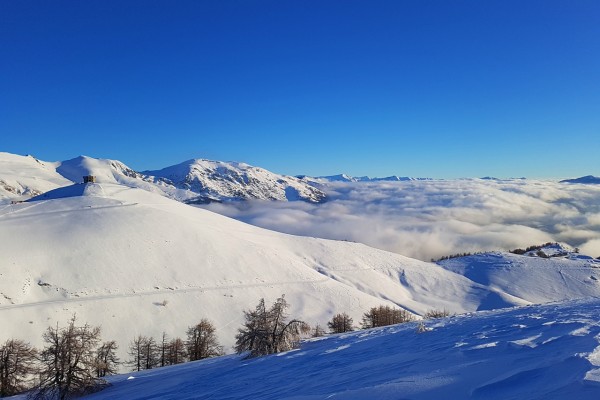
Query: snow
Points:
[553, 250]
[112, 254]
[26, 176]
[226, 181]
[423, 219]
[538, 280]
[495, 360]
[191, 181]
[348, 178]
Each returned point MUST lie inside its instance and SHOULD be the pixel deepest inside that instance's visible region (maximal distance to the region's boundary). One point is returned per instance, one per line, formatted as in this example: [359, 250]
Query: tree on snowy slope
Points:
[17, 365]
[176, 353]
[340, 323]
[269, 331]
[106, 359]
[144, 353]
[202, 341]
[317, 331]
[68, 362]
[385, 315]
[163, 350]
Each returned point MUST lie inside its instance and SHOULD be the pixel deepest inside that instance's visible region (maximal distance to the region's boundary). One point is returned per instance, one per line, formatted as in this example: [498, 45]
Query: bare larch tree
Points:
[106, 359]
[17, 367]
[202, 341]
[385, 315]
[340, 323]
[68, 362]
[143, 353]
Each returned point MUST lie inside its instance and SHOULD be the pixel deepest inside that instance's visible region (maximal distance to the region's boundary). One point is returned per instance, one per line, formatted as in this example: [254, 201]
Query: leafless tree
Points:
[68, 362]
[176, 352]
[433, 314]
[317, 331]
[150, 354]
[269, 331]
[385, 315]
[340, 323]
[163, 349]
[202, 341]
[17, 366]
[136, 360]
[143, 353]
[106, 359]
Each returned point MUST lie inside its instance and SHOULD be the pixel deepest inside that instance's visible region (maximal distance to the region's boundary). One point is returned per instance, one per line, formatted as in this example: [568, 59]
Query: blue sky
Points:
[421, 88]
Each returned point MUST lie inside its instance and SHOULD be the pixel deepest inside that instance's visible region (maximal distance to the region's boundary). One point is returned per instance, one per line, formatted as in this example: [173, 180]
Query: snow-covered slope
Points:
[538, 352]
[535, 279]
[25, 176]
[113, 254]
[223, 181]
[136, 262]
[22, 177]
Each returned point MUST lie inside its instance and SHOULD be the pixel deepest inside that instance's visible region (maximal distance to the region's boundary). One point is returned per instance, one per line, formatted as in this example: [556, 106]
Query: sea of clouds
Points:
[430, 219]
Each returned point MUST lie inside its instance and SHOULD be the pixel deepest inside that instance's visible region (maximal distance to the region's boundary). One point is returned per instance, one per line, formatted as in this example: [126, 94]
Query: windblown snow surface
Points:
[535, 352]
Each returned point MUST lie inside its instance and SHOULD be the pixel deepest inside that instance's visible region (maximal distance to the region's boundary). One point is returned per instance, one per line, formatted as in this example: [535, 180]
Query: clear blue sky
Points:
[422, 88]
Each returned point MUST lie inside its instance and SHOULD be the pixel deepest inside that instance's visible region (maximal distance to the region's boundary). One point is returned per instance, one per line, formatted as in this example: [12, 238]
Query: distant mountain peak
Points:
[229, 181]
[348, 178]
[588, 179]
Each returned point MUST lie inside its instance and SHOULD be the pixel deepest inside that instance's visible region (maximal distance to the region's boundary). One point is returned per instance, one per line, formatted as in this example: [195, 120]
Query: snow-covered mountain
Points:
[194, 181]
[337, 178]
[549, 352]
[348, 178]
[26, 176]
[566, 275]
[588, 179]
[135, 262]
[223, 181]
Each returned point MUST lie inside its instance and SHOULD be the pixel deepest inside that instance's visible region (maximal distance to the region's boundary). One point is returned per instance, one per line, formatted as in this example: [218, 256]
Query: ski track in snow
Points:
[159, 292]
[88, 208]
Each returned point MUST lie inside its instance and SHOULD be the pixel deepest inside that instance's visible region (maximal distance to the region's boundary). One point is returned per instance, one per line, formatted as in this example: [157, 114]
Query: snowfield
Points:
[535, 352]
[135, 262]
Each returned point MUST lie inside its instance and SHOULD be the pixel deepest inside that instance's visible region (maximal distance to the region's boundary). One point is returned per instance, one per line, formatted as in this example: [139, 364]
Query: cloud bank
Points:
[430, 219]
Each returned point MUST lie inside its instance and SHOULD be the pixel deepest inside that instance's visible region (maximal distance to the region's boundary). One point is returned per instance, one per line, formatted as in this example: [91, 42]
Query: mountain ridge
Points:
[588, 179]
[195, 181]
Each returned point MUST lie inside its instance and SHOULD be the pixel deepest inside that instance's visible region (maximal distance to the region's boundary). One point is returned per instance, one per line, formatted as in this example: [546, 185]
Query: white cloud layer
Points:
[429, 219]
